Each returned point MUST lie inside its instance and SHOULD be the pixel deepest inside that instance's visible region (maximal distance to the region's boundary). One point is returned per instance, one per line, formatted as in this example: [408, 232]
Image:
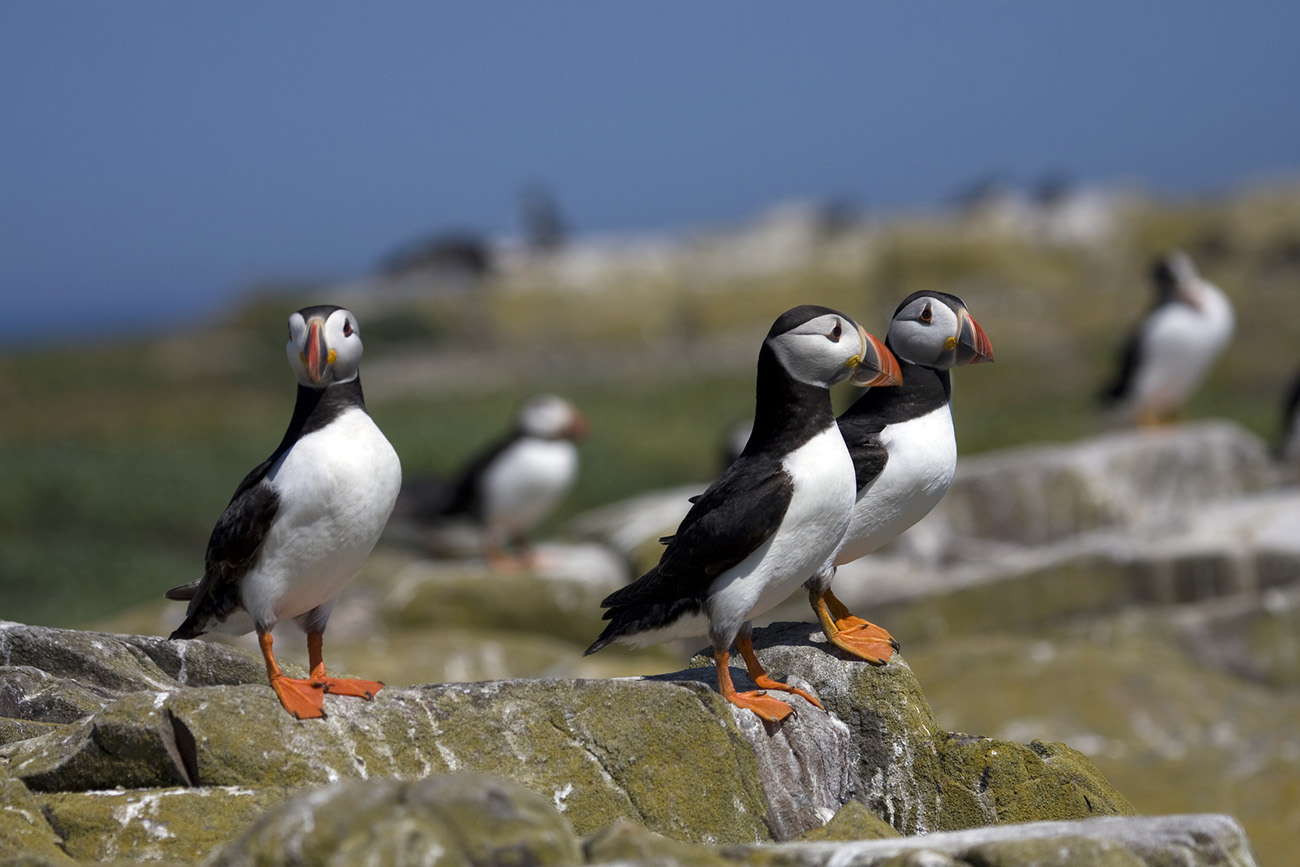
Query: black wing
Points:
[862, 436]
[738, 513]
[1129, 360]
[466, 499]
[233, 547]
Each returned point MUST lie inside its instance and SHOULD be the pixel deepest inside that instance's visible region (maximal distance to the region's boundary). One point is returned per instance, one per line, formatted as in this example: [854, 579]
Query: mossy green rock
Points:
[669, 755]
[914, 774]
[629, 843]
[853, 822]
[23, 826]
[431, 594]
[459, 819]
[166, 824]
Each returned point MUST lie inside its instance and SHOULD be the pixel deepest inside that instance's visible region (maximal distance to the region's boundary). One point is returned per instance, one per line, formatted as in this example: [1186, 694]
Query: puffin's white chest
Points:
[336, 489]
[1179, 344]
[922, 461]
[808, 536]
[525, 482]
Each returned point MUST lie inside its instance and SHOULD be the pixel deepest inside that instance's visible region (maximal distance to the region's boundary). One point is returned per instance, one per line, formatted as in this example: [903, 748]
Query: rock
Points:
[853, 822]
[161, 824]
[1168, 733]
[914, 774]
[23, 826]
[561, 598]
[567, 739]
[629, 843]
[1035, 495]
[457, 819]
[62, 675]
[1187, 840]
[667, 752]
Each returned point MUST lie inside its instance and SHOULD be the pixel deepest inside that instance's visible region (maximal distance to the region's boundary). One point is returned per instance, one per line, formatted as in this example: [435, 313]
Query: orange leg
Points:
[303, 699]
[756, 673]
[335, 685]
[768, 708]
[851, 634]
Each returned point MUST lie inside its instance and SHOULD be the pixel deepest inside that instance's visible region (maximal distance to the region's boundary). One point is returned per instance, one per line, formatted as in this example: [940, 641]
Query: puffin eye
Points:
[836, 332]
[347, 328]
[927, 314]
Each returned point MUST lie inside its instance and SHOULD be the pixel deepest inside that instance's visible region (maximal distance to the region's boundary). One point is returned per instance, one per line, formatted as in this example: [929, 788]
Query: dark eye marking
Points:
[837, 332]
[927, 314]
[347, 327]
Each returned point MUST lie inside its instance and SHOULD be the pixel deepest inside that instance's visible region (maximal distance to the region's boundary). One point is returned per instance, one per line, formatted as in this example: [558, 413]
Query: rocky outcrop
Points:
[168, 735]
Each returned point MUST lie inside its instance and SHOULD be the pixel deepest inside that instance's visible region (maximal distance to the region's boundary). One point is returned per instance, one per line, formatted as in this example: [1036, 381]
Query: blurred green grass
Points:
[117, 457]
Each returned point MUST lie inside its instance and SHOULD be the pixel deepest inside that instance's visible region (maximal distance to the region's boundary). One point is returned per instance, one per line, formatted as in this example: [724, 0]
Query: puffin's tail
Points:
[629, 620]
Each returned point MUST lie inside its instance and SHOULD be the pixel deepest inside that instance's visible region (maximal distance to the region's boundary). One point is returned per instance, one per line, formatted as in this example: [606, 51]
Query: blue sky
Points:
[156, 159]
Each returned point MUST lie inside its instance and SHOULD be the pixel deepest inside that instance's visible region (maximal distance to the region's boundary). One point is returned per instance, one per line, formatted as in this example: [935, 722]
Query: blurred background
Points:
[613, 203]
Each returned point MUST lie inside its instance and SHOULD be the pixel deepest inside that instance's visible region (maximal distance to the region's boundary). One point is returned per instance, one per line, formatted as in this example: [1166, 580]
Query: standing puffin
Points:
[773, 518]
[1169, 353]
[304, 520]
[903, 449]
[507, 489]
[1287, 448]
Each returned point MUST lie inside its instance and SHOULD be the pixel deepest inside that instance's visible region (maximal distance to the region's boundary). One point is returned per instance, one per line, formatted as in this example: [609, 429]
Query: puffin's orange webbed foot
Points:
[851, 634]
[349, 686]
[766, 682]
[868, 642]
[301, 697]
[764, 705]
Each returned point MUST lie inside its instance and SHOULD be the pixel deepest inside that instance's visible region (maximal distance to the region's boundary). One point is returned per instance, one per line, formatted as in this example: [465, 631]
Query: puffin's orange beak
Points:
[878, 366]
[973, 345]
[315, 358]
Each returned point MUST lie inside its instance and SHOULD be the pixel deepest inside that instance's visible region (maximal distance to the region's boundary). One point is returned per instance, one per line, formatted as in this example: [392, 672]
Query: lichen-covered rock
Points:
[63, 675]
[560, 602]
[853, 822]
[913, 773]
[669, 755]
[1203, 840]
[1137, 477]
[159, 824]
[23, 826]
[628, 843]
[458, 819]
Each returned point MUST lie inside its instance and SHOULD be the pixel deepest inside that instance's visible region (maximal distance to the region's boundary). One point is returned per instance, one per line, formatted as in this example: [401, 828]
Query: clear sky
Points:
[157, 158]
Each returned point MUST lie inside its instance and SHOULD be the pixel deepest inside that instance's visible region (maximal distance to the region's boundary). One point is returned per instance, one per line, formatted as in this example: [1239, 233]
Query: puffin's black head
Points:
[324, 345]
[934, 329]
[819, 346]
[1175, 278]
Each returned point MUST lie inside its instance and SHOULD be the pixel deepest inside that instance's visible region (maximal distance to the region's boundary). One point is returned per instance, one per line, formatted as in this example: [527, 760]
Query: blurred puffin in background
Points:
[1169, 353]
[505, 491]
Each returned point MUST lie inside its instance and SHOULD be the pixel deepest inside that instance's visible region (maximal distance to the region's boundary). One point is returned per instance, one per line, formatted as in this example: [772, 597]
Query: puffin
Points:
[1287, 448]
[303, 521]
[1168, 354]
[773, 517]
[511, 486]
[903, 449]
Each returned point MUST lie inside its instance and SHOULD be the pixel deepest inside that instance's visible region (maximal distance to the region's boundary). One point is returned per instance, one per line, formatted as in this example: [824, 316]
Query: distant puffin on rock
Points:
[903, 448]
[301, 524]
[505, 491]
[1168, 355]
[773, 518]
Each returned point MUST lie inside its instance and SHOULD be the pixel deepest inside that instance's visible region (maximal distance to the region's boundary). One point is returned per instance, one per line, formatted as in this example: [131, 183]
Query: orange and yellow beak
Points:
[972, 344]
[316, 357]
[877, 366]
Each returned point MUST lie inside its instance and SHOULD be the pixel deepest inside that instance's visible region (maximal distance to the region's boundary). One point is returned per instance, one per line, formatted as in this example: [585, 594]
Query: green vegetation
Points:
[117, 458]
